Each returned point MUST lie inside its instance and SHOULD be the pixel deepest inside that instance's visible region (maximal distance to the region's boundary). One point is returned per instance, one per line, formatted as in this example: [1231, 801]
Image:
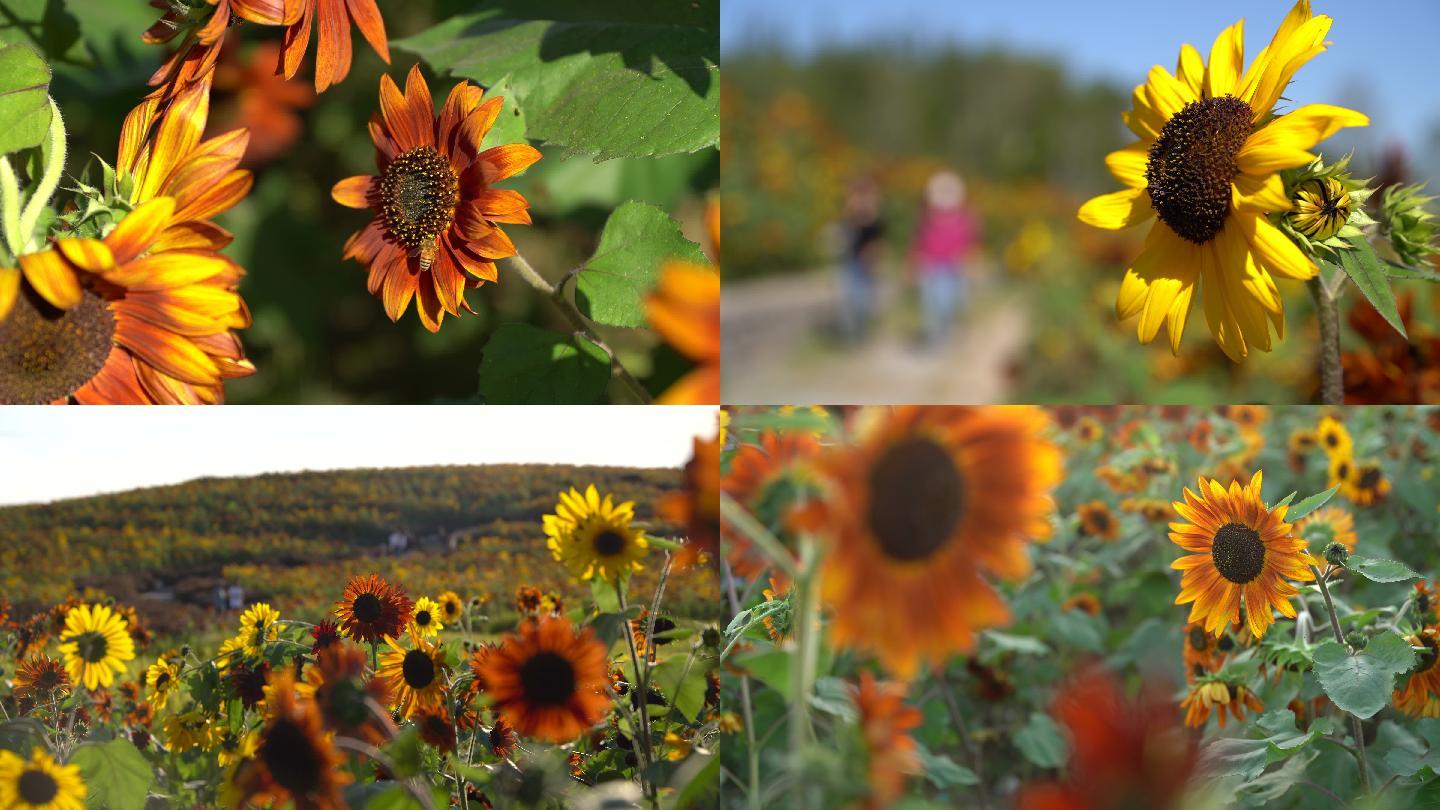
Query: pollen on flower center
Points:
[917, 496]
[1238, 552]
[1192, 163]
[418, 192]
[48, 354]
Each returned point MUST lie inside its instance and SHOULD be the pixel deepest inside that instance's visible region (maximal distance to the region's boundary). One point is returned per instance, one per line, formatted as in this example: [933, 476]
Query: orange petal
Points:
[427, 303]
[332, 58]
[50, 276]
[133, 133]
[371, 25]
[399, 287]
[140, 228]
[503, 205]
[463, 99]
[420, 105]
[354, 192]
[87, 254]
[164, 389]
[449, 283]
[488, 241]
[175, 268]
[167, 352]
[699, 387]
[477, 125]
[220, 197]
[114, 384]
[509, 160]
[264, 12]
[397, 116]
[178, 134]
[296, 40]
[9, 288]
[193, 236]
[366, 243]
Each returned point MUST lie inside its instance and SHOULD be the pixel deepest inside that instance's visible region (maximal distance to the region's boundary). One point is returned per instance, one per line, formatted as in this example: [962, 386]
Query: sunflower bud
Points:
[1321, 208]
[1337, 554]
[1411, 228]
[1357, 640]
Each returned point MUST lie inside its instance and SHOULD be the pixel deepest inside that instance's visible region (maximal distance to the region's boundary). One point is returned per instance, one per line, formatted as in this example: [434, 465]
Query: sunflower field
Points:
[1080, 607]
[388, 696]
[412, 201]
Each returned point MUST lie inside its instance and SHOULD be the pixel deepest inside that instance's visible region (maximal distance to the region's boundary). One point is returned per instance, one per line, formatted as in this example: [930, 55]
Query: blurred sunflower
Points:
[324, 635]
[95, 646]
[39, 678]
[1085, 601]
[266, 105]
[1298, 447]
[39, 783]
[415, 678]
[1207, 166]
[295, 760]
[1217, 696]
[372, 609]
[885, 725]
[234, 750]
[1241, 549]
[1426, 604]
[1420, 696]
[1089, 430]
[697, 506]
[1201, 652]
[593, 537]
[162, 679]
[1333, 438]
[191, 730]
[259, 624]
[777, 462]
[1248, 418]
[340, 686]
[436, 227]
[436, 728]
[332, 54]
[924, 505]
[451, 607]
[426, 618]
[1327, 525]
[547, 681]
[1342, 473]
[684, 310]
[1096, 520]
[502, 739]
[1367, 485]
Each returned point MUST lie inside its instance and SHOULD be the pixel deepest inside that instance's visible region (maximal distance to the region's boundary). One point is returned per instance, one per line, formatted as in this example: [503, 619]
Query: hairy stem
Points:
[1355, 728]
[54, 166]
[1332, 383]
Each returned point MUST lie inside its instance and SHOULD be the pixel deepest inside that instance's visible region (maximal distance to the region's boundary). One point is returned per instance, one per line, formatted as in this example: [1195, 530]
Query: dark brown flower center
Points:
[1428, 657]
[609, 543]
[1239, 553]
[418, 669]
[422, 618]
[548, 679]
[1198, 639]
[1100, 521]
[366, 608]
[419, 192]
[48, 354]
[37, 787]
[290, 755]
[917, 496]
[1369, 477]
[1343, 471]
[91, 647]
[1192, 163]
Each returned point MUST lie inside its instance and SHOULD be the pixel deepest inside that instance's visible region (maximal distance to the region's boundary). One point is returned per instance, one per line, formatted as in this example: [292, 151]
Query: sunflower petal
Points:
[1118, 209]
[1227, 56]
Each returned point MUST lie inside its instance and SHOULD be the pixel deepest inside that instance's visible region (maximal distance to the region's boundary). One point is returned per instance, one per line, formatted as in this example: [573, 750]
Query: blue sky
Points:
[1120, 39]
[52, 453]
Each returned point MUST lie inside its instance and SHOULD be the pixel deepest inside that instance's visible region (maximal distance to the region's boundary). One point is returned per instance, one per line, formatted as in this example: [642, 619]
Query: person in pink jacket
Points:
[947, 236]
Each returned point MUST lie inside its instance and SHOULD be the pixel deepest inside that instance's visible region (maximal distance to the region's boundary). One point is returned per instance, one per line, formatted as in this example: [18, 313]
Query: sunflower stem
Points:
[1355, 728]
[807, 638]
[747, 525]
[10, 208]
[642, 697]
[556, 294]
[947, 693]
[747, 714]
[1332, 384]
[50, 180]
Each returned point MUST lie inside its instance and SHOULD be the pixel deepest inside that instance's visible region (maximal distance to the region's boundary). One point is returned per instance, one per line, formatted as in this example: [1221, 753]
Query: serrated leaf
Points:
[638, 239]
[1310, 504]
[1361, 684]
[527, 365]
[24, 98]
[1378, 570]
[1363, 267]
[627, 78]
[116, 776]
[1041, 741]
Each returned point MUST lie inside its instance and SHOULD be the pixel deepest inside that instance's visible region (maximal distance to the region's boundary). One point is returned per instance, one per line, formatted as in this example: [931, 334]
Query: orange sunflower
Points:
[684, 309]
[40, 678]
[885, 725]
[926, 503]
[697, 507]
[196, 56]
[1426, 604]
[295, 760]
[435, 231]
[332, 55]
[1204, 653]
[1218, 696]
[1242, 549]
[756, 471]
[1097, 521]
[372, 609]
[1420, 696]
[547, 681]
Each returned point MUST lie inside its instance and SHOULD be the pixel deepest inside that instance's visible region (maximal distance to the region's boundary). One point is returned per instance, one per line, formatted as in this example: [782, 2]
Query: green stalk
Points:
[807, 639]
[54, 167]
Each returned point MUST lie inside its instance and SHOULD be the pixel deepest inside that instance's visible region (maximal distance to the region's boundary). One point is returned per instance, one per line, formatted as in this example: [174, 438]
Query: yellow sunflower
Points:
[593, 536]
[1367, 486]
[163, 679]
[1242, 549]
[1207, 167]
[95, 645]
[39, 783]
[452, 607]
[1330, 524]
[259, 624]
[426, 619]
[1342, 473]
[416, 678]
[1334, 439]
[191, 730]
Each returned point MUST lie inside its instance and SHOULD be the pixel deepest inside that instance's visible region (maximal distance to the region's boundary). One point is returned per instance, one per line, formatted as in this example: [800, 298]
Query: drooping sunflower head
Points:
[415, 677]
[1242, 551]
[426, 620]
[39, 783]
[436, 230]
[1329, 524]
[593, 537]
[372, 609]
[95, 645]
[1206, 166]
[924, 504]
[1207, 695]
[39, 678]
[547, 681]
[452, 607]
[191, 730]
[1096, 520]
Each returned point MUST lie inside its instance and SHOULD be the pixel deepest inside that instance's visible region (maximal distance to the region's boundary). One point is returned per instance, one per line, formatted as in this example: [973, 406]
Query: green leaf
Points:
[1286, 500]
[1041, 741]
[1247, 758]
[1378, 570]
[1361, 684]
[116, 776]
[1401, 271]
[526, 365]
[1310, 504]
[637, 240]
[510, 126]
[682, 680]
[24, 98]
[1363, 267]
[22, 735]
[625, 78]
[696, 783]
[1410, 757]
[833, 696]
[944, 772]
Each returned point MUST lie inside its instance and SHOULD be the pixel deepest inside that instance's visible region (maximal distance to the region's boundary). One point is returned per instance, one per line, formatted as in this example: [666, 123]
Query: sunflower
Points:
[502, 739]
[332, 55]
[259, 624]
[372, 609]
[95, 645]
[452, 607]
[295, 760]
[436, 728]
[231, 652]
[415, 678]
[1333, 438]
[1200, 435]
[39, 678]
[1207, 166]
[1202, 652]
[1242, 548]
[1327, 525]
[193, 61]
[1085, 601]
[885, 726]
[594, 537]
[162, 679]
[1089, 430]
[1206, 696]
[697, 506]
[1097, 521]
[684, 310]
[777, 462]
[435, 230]
[926, 502]
[234, 750]
[1367, 486]
[547, 681]
[190, 730]
[325, 634]
[39, 783]
[340, 688]
[1426, 603]
[1342, 473]
[426, 619]
[1418, 697]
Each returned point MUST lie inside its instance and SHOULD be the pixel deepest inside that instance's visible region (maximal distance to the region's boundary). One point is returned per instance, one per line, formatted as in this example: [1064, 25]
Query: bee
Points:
[429, 246]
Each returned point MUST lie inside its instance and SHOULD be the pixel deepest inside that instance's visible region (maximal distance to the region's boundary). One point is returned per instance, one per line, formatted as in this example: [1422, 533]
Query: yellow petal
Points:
[1309, 125]
[50, 276]
[1190, 68]
[1273, 250]
[9, 288]
[1128, 164]
[1261, 156]
[1284, 59]
[1259, 194]
[1119, 209]
[1165, 93]
[1227, 56]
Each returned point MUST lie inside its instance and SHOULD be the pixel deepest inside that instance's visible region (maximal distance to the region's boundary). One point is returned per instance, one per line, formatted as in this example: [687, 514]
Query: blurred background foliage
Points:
[318, 336]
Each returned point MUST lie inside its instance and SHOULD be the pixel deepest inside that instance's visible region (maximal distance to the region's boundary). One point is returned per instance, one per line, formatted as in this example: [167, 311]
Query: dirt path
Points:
[776, 350]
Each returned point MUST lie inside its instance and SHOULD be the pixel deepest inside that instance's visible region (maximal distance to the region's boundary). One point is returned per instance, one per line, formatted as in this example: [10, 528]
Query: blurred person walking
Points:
[863, 231]
[947, 235]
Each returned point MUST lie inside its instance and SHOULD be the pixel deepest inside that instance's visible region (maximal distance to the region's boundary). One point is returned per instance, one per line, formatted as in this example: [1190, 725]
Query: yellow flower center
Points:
[418, 669]
[419, 191]
[548, 679]
[1238, 553]
[48, 354]
[917, 496]
[37, 787]
[1192, 163]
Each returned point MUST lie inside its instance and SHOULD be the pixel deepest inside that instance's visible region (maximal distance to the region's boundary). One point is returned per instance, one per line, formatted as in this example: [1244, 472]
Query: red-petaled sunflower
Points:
[332, 55]
[1096, 520]
[415, 677]
[436, 728]
[343, 691]
[436, 227]
[684, 309]
[295, 761]
[1420, 696]
[1208, 696]
[372, 609]
[1242, 548]
[547, 681]
[885, 725]
[39, 678]
[195, 59]
[697, 507]
[927, 502]
[776, 459]
[502, 739]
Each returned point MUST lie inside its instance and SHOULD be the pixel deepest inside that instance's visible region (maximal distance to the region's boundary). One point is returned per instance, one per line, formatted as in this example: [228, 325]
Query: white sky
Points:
[48, 453]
